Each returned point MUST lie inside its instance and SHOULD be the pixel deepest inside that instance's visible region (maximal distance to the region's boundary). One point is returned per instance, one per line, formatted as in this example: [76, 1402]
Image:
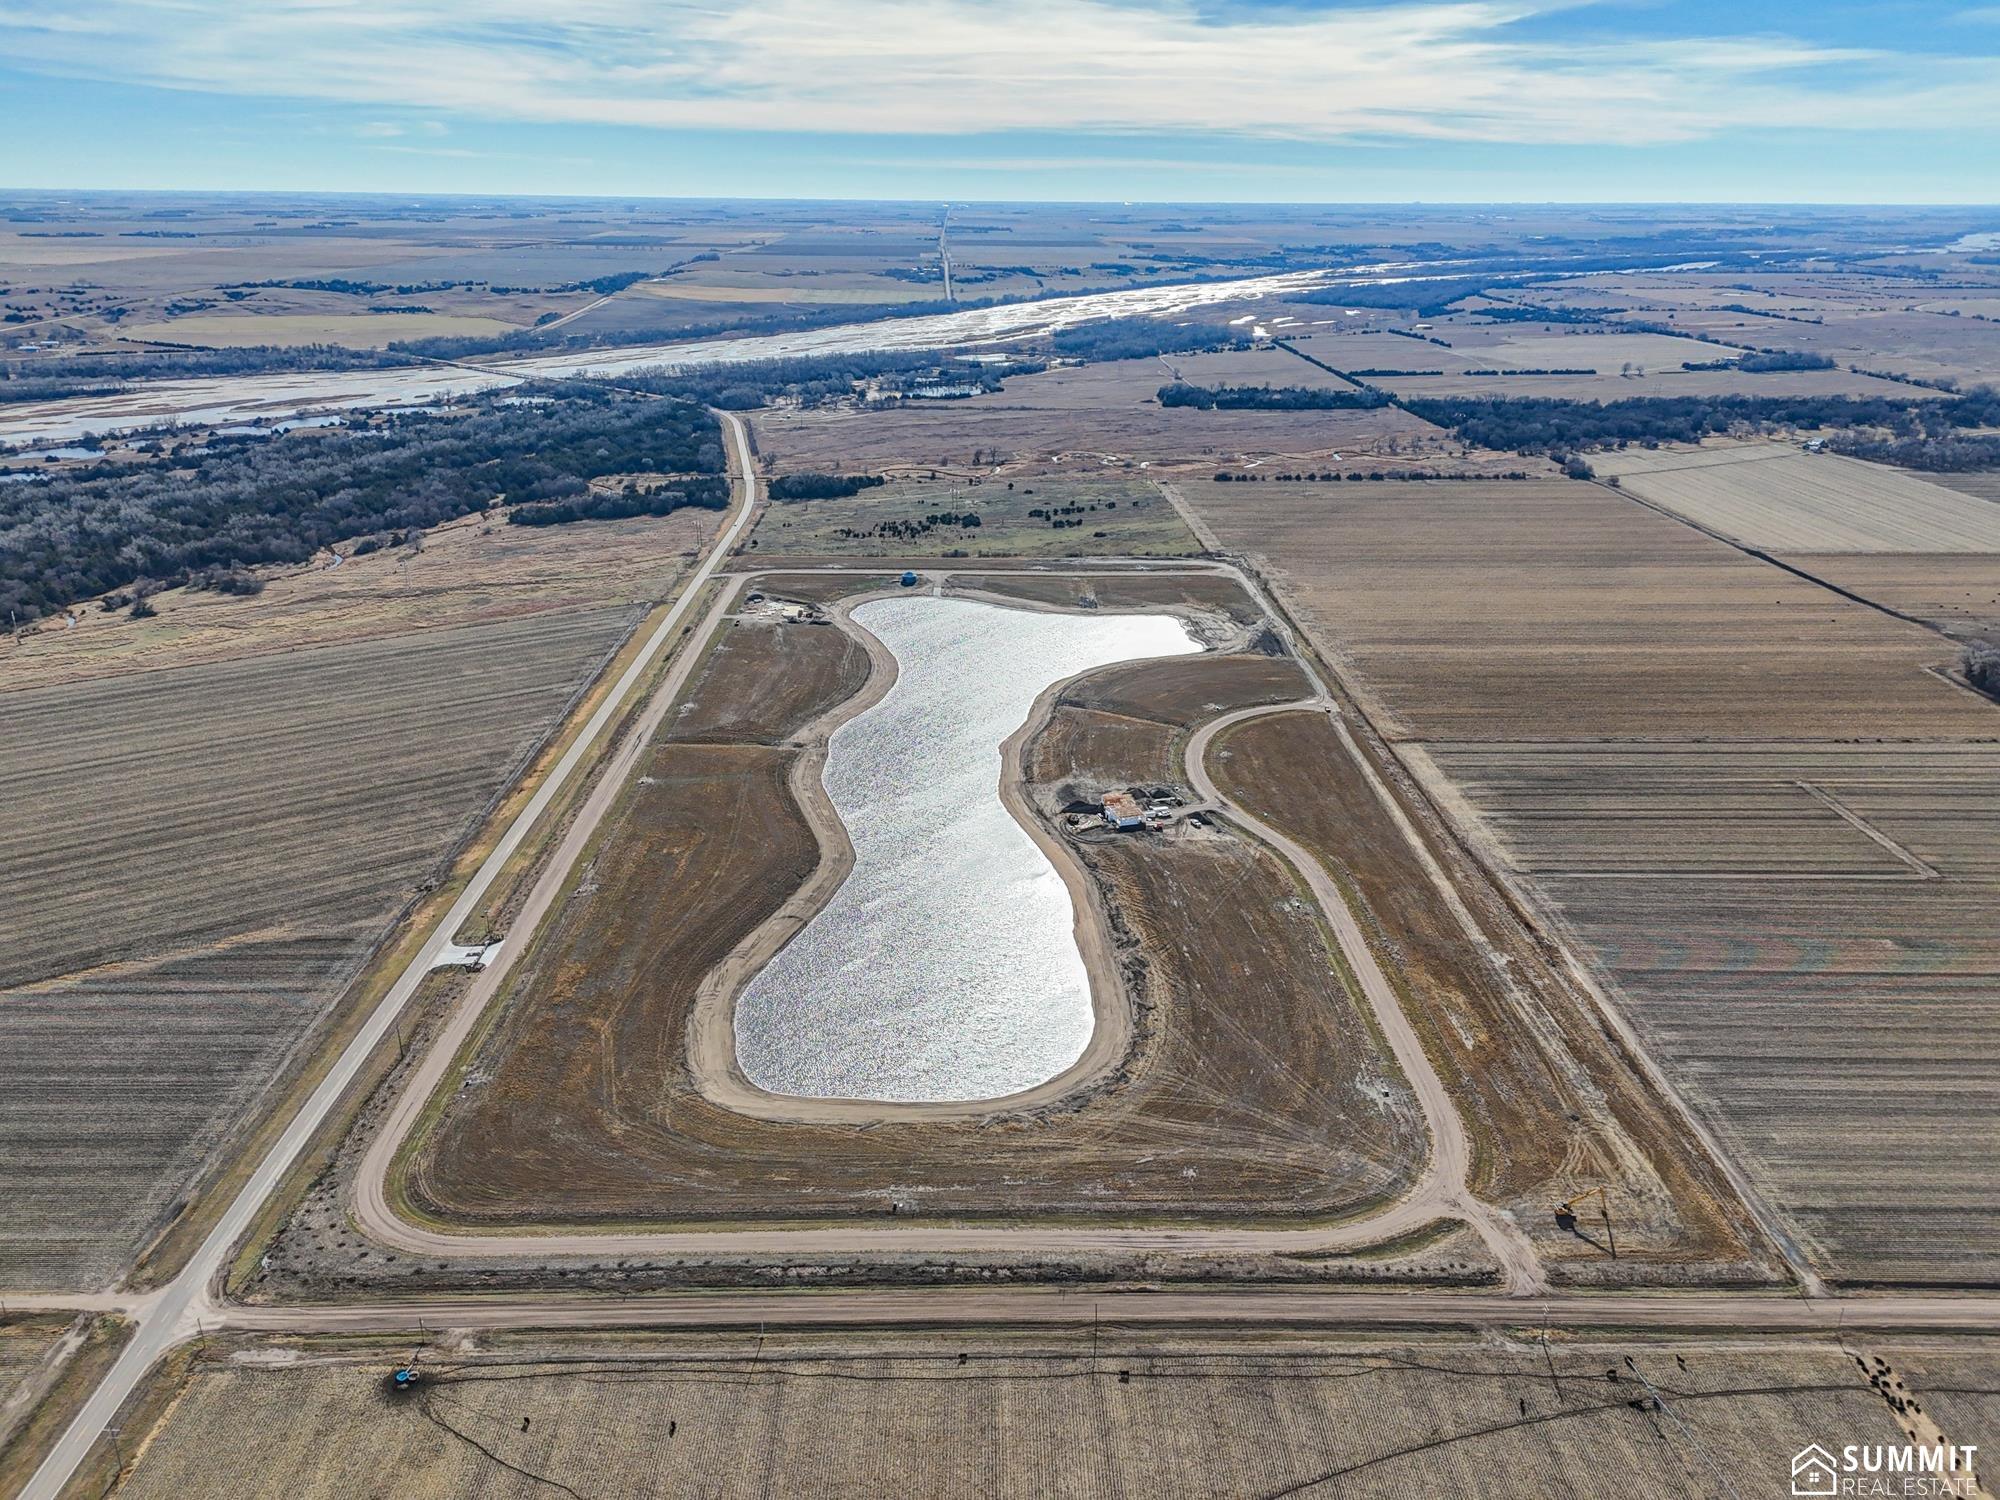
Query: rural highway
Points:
[187, 1303]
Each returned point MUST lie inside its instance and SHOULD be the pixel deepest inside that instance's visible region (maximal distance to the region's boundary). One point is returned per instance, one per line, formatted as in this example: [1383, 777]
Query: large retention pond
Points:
[945, 967]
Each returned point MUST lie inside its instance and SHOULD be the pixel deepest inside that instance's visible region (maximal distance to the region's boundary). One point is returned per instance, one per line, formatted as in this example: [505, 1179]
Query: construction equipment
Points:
[1566, 1215]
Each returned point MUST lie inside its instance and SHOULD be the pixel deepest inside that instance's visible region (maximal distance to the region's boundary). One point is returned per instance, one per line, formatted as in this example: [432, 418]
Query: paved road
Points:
[174, 1313]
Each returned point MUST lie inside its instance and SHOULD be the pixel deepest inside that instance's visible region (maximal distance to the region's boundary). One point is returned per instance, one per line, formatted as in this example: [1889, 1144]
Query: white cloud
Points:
[1436, 69]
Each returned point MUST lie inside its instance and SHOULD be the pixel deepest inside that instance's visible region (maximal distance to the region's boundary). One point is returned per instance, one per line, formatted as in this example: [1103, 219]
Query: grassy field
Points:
[1778, 498]
[1217, 593]
[1023, 518]
[1749, 805]
[469, 572]
[1056, 1414]
[349, 330]
[215, 849]
[1255, 1086]
[1551, 1106]
[1081, 420]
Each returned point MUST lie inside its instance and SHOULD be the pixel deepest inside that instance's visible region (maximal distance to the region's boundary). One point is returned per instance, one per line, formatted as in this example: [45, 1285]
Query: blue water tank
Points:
[909, 580]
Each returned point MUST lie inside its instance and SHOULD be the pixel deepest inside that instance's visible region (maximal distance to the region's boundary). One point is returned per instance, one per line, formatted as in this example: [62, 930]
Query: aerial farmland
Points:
[924, 849]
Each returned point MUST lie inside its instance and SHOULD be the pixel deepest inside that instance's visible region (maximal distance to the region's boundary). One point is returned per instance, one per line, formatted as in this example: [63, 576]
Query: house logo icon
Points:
[1812, 1472]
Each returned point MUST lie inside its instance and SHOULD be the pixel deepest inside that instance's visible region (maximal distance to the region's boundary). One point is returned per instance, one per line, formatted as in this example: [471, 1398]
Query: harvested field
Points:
[1745, 803]
[1802, 932]
[1263, 365]
[1985, 484]
[1958, 592]
[1043, 518]
[1907, 343]
[1027, 1415]
[1471, 611]
[1610, 384]
[350, 330]
[1548, 1100]
[1083, 417]
[468, 572]
[1255, 1086]
[214, 851]
[1778, 498]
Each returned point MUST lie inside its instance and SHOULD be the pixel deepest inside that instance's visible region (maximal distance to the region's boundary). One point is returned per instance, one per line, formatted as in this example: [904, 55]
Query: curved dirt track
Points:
[712, 1053]
[1440, 1192]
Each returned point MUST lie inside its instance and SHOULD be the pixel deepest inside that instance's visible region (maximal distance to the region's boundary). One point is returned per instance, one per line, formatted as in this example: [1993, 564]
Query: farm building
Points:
[1121, 810]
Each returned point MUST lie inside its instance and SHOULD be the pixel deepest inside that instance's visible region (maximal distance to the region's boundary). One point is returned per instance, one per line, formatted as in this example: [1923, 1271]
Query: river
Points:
[243, 398]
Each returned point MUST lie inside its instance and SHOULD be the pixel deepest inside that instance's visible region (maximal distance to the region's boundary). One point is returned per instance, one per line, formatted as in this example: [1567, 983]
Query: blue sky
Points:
[1446, 100]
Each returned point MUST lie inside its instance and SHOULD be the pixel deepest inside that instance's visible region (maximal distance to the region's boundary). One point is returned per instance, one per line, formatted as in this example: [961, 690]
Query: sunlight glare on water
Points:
[945, 967]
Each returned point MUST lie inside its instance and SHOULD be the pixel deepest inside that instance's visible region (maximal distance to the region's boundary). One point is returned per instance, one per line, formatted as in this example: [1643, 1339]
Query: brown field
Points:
[1612, 384]
[1086, 417]
[468, 572]
[1129, 725]
[1053, 1414]
[1123, 517]
[1545, 610]
[1958, 592]
[28, 1346]
[1774, 496]
[1746, 803]
[765, 679]
[49, 1364]
[1550, 1103]
[216, 849]
[350, 330]
[1985, 484]
[810, 588]
[1789, 966]
[1254, 1086]
[1263, 365]
[1918, 344]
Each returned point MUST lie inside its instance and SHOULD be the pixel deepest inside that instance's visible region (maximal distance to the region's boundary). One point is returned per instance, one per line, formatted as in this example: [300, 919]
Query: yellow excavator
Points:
[1566, 1215]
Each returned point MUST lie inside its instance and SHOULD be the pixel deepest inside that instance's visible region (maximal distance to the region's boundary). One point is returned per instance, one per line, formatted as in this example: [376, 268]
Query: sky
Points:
[1846, 101]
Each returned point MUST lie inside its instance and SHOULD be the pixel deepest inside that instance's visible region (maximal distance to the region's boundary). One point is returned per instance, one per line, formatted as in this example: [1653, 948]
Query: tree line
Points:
[820, 486]
[1538, 424]
[1272, 398]
[106, 374]
[280, 500]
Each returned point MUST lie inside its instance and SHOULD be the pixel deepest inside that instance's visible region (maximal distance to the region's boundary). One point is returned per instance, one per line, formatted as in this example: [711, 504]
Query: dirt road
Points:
[1442, 1192]
[186, 1302]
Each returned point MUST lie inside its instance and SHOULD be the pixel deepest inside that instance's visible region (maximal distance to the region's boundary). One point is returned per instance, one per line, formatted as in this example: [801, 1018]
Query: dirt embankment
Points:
[1551, 1105]
[1253, 1088]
